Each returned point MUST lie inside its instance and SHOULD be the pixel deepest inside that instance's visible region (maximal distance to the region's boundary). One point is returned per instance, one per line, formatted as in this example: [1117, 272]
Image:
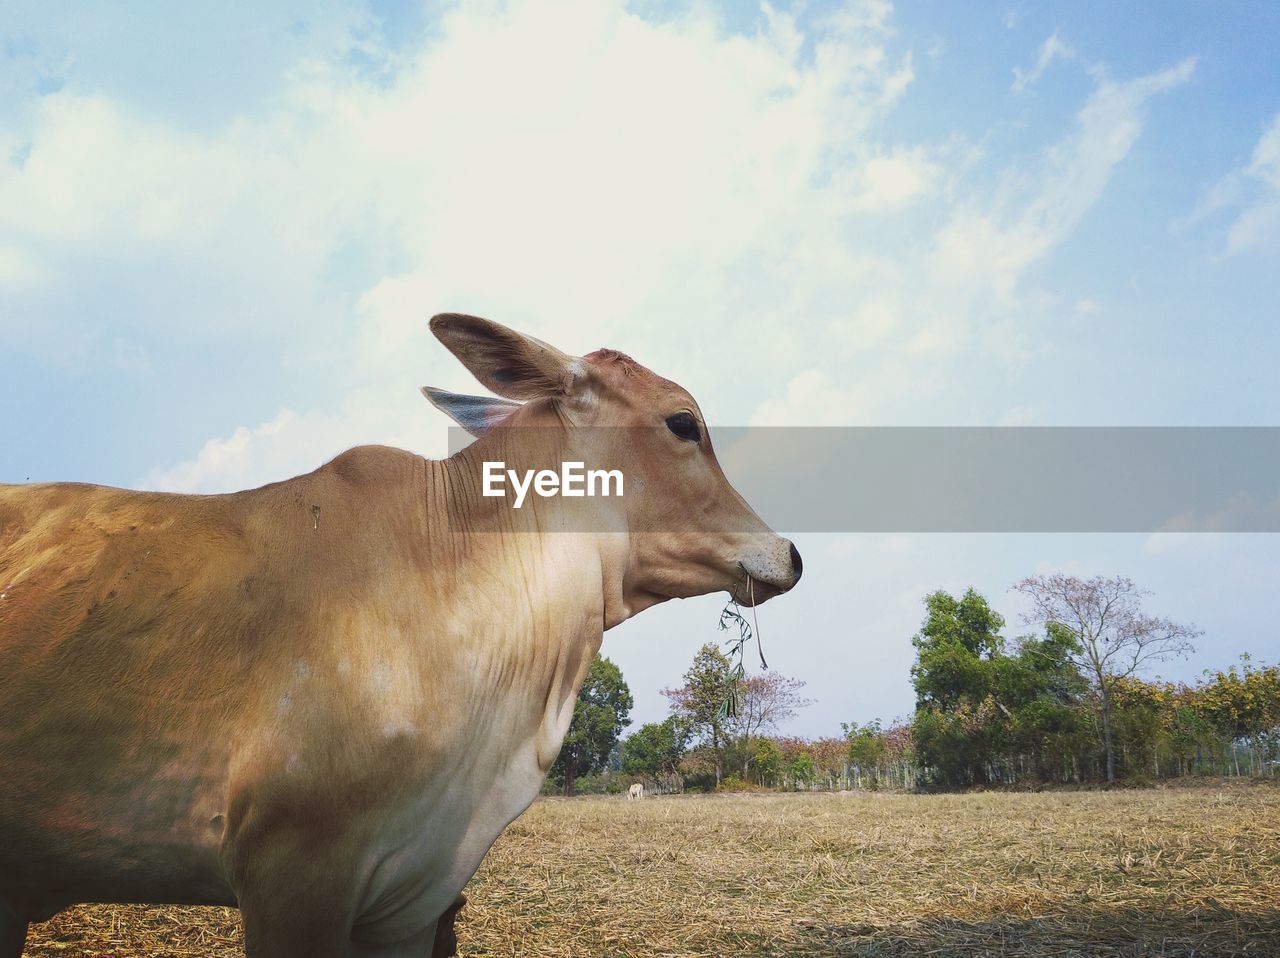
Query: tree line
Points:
[1065, 703]
[1068, 704]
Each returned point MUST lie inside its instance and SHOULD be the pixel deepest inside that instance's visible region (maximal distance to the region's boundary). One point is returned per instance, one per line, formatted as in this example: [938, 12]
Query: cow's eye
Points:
[685, 426]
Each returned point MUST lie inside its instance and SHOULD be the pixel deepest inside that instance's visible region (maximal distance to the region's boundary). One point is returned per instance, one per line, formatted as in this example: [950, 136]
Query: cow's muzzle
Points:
[768, 574]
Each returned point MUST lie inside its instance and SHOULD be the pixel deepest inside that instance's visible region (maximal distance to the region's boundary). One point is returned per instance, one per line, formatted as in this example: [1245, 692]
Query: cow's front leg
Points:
[290, 925]
[446, 941]
[297, 905]
[437, 940]
[13, 930]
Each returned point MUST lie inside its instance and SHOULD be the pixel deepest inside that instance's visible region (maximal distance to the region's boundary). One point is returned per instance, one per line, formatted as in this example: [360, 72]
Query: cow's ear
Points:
[509, 363]
[476, 414]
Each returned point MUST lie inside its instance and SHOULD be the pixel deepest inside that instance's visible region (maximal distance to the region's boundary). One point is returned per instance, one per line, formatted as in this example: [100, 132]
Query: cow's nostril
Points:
[797, 564]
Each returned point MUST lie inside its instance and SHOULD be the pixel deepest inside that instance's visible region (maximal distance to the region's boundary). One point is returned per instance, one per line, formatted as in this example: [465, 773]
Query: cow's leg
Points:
[436, 940]
[418, 946]
[296, 905]
[445, 944]
[290, 925]
[13, 930]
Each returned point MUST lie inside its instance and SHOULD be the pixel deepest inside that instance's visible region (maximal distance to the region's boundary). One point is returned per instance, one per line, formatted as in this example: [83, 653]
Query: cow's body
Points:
[635, 791]
[262, 674]
[321, 700]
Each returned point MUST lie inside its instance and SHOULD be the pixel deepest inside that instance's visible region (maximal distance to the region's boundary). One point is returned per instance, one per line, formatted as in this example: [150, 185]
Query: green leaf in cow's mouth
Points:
[731, 617]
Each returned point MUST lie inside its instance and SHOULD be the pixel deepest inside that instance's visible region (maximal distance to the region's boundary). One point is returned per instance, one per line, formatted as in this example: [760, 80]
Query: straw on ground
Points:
[1176, 872]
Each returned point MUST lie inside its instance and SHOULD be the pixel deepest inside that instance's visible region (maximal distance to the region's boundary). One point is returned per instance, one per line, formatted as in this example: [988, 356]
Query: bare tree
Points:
[1114, 639]
[764, 702]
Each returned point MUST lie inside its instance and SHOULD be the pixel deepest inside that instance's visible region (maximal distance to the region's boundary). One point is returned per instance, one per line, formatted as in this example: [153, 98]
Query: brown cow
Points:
[322, 700]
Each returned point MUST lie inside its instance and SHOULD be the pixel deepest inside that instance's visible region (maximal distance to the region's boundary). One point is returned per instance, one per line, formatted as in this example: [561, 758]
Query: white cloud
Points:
[577, 183]
[233, 458]
[1265, 164]
[129, 356]
[875, 319]
[1022, 415]
[1259, 223]
[1074, 567]
[252, 215]
[1183, 544]
[19, 270]
[988, 248]
[811, 399]
[891, 181]
[912, 329]
[1251, 193]
[1053, 50]
[382, 406]
[884, 393]
[1254, 228]
[744, 195]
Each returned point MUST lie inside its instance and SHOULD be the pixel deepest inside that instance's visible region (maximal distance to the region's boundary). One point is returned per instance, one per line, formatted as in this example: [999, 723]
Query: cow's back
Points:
[95, 584]
[77, 561]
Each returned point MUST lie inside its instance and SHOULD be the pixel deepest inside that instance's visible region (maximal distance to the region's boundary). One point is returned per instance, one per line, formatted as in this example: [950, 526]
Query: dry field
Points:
[1187, 872]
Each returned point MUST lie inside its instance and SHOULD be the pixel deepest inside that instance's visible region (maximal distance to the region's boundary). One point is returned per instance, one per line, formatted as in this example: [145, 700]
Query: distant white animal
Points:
[636, 791]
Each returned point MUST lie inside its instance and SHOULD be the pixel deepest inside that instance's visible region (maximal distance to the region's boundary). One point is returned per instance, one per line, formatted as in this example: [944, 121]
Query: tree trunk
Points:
[1106, 736]
[570, 779]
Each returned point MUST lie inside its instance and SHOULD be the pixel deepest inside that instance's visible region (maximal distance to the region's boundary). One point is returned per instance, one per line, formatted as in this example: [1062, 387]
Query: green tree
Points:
[866, 749]
[654, 750]
[955, 727]
[1243, 704]
[985, 711]
[599, 716]
[803, 771]
[699, 701]
[766, 760]
[1042, 689]
[956, 637]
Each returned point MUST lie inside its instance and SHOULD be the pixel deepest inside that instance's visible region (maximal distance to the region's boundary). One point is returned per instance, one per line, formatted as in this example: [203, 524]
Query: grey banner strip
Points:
[989, 479]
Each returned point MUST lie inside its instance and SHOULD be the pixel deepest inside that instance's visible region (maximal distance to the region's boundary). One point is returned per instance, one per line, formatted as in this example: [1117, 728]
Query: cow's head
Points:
[688, 532]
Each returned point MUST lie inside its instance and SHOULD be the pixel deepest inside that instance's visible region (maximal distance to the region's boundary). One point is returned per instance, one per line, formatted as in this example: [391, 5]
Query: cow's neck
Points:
[526, 607]
[541, 525]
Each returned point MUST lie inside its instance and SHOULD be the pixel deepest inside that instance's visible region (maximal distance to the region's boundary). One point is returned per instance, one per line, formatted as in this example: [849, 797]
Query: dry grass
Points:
[1192, 872]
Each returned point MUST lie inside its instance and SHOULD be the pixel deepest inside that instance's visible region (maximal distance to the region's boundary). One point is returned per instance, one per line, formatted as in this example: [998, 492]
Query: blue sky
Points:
[222, 231]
